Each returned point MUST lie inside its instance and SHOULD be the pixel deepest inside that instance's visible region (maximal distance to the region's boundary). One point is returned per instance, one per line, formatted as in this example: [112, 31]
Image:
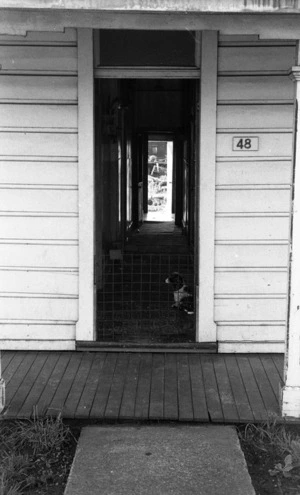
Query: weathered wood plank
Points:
[185, 404]
[211, 390]
[104, 385]
[238, 389]
[272, 374]
[254, 58]
[13, 365]
[38, 360]
[260, 255]
[226, 396]
[254, 172]
[57, 404]
[278, 361]
[19, 376]
[39, 88]
[253, 200]
[116, 391]
[32, 255]
[251, 282]
[53, 382]
[143, 388]
[93, 380]
[171, 390]
[78, 385]
[252, 228]
[250, 309]
[31, 404]
[156, 406]
[171, 386]
[130, 387]
[267, 393]
[6, 357]
[257, 405]
[197, 388]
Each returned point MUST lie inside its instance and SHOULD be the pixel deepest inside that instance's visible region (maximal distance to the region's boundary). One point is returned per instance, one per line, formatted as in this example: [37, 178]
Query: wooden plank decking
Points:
[226, 388]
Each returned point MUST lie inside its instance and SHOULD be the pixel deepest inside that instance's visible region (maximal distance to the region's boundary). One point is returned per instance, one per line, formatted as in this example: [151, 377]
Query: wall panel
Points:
[38, 190]
[253, 194]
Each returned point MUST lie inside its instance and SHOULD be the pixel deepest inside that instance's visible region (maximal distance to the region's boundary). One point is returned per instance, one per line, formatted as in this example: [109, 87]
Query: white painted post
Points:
[2, 387]
[291, 389]
[205, 325]
[85, 328]
[169, 176]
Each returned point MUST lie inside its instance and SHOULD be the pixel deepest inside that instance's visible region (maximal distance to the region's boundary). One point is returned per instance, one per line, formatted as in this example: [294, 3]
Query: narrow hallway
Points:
[135, 303]
[158, 237]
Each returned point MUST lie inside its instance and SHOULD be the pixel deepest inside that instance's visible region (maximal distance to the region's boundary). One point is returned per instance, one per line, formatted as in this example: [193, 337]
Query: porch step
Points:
[205, 348]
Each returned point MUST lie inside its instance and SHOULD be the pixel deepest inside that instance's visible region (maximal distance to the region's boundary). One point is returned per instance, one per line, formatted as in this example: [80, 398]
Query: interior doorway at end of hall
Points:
[160, 180]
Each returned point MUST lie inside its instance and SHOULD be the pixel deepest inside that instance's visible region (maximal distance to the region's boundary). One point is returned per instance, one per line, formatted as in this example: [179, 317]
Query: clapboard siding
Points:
[255, 88]
[253, 200]
[26, 331]
[38, 116]
[37, 88]
[250, 309]
[41, 282]
[251, 228]
[270, 144]
[38, 144]
[38, 200]
[256, 58]
[253, 194]
[68, 37]
[39, 190]
[38, 227]
[251, 255]
[21, 58]
[250, 116]
[58, 173]
[39, 255]
[253, 172]
[253, 282]
[38, 308]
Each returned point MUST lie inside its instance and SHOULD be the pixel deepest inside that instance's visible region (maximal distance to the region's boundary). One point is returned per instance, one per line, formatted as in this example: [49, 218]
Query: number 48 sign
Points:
[245, 143]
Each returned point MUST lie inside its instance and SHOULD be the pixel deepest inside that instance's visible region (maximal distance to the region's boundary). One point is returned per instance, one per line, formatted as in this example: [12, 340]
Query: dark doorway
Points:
[145, 169]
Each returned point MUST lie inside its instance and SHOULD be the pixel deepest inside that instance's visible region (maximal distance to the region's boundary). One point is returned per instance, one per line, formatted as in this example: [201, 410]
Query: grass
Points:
[272, 452]
[34, 455]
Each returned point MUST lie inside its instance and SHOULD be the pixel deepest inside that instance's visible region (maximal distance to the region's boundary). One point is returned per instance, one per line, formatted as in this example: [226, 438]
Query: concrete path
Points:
[159, 460]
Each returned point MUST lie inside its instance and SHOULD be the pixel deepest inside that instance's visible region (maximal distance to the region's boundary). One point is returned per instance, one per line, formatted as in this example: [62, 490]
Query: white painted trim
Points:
[266, 26]
[232, 347]
[147, 73]
[291, 390]
[291, 402]
[194, 6]
[85, 328]
[38, 345]
[206, 330]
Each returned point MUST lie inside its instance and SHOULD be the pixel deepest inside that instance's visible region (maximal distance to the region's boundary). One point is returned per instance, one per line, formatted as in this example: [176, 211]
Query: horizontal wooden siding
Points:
[253, 194]
[39, 191]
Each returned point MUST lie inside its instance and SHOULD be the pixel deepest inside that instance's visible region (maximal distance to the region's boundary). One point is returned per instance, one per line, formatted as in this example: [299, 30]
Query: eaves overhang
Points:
[201, 6]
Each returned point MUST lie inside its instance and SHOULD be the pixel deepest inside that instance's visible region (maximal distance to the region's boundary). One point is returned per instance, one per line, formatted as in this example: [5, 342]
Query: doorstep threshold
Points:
[193, 347]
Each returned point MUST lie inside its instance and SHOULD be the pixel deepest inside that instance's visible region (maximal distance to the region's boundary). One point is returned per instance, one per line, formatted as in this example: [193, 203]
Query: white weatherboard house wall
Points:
[39, 190]
[253, 193]
[246, 207]
[39, 203]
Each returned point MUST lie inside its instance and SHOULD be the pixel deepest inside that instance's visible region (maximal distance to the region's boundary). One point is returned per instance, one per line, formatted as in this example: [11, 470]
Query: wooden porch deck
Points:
[142, 386]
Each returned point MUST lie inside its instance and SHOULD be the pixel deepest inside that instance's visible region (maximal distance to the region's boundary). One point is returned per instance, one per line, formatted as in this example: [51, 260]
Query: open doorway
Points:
[145, 168]
[160, 181]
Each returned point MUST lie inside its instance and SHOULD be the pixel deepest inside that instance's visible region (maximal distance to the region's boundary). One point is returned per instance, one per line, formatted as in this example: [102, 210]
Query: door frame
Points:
[206, 330]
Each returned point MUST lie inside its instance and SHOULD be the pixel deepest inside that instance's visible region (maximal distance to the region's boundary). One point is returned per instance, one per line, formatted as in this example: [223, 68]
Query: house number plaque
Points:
[245, 143]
